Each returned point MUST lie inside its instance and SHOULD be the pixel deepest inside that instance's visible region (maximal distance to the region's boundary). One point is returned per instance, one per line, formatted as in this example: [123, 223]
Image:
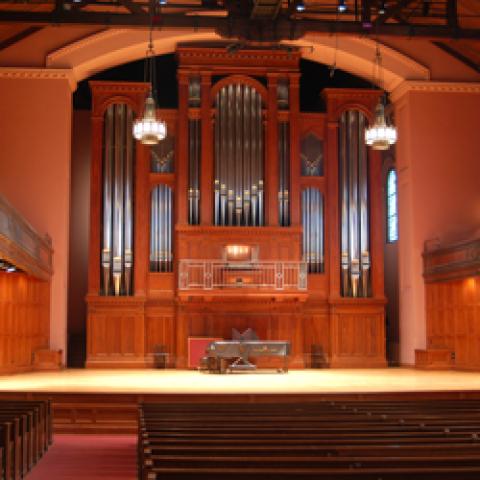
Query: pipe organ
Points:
[240, 154]
[161, 229]
[117, 225]
[312, 223]
[353, 161]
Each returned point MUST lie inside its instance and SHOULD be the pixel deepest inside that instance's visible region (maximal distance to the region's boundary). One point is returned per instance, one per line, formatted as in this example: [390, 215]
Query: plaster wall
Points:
[439, 190]
[35, 136]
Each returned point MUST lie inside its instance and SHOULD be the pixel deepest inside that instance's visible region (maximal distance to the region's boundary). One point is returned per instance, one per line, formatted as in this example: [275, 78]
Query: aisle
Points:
[92, 457]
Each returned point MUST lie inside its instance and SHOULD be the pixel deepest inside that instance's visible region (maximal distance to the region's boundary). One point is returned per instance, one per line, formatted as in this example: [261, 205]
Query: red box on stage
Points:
[196, 349]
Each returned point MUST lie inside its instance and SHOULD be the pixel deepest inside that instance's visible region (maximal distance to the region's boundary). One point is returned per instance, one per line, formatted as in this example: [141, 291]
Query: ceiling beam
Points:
[133, 7]
[392, 10]
[452, 14]
[18, 37]
[459, 56]
[282, 28]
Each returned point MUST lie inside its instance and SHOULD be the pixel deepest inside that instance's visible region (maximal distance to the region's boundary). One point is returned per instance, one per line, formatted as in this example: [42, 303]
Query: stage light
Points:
[162, 2]
[382, 8]
[299, 6]
[342, 6]
[11, 269]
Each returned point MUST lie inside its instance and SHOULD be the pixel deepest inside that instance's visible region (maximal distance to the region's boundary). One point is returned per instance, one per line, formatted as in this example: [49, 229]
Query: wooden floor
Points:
[106, 401]
[150, 381]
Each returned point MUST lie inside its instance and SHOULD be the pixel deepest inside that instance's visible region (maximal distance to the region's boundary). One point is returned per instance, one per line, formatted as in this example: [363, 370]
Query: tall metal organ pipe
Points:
[313, 230]
[239, 156]
[117, 202]
[194, 132]
[353, 179]
[284, 174]
[161, 216]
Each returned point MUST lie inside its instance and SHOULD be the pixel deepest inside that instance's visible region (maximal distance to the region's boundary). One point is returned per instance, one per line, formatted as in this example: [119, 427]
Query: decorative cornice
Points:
[434, 87]
[63, 74]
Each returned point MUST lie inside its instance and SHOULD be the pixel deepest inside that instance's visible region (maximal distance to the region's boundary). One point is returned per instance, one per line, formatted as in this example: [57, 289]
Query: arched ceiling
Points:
[110, 48]
[420, 39]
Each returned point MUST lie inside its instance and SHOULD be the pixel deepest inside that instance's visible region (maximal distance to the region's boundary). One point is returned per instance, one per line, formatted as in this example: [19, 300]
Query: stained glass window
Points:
[392, 210]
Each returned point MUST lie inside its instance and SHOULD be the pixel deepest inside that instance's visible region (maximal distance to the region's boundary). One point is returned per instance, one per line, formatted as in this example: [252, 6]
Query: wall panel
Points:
[453, 319]
[24, 320]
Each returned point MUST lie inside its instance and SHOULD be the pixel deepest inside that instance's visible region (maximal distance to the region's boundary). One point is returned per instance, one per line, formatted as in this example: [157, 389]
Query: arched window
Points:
[392, 210]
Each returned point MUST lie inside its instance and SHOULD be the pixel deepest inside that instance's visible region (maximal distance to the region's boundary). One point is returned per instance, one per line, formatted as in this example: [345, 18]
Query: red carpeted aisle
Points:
[92, 457]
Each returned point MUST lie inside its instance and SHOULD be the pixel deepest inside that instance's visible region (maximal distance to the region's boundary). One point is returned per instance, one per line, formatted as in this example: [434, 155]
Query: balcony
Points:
[275, 276]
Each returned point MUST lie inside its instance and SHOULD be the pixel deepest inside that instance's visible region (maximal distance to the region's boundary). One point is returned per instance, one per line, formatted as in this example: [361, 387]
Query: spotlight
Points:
[11, 269]
[342, 6]
[162, 2]
[382, 8]
[299, 6]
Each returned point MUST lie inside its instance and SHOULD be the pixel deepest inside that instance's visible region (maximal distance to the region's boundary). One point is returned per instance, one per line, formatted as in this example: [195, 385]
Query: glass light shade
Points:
[380, 136]
[148, 129]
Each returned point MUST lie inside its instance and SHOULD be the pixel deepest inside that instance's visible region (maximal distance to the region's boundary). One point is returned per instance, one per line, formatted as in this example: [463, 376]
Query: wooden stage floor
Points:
[105, 401]
[320, 381]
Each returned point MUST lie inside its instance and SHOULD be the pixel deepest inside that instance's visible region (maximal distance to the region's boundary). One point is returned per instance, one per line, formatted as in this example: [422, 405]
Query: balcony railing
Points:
[271, 275]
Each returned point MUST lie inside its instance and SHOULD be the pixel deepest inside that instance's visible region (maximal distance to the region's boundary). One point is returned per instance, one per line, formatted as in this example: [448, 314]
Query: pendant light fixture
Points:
[148, 129]
[380, 135]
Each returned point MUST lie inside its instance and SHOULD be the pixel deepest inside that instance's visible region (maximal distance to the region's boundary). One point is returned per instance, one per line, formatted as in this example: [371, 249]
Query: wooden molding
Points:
[433, 359]
[451, 262]
[21, 245]
[433, 87]
[218, 55]
[60, 74]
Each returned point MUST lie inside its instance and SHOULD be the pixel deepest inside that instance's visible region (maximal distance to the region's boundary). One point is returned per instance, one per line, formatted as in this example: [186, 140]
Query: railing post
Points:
[207, 275]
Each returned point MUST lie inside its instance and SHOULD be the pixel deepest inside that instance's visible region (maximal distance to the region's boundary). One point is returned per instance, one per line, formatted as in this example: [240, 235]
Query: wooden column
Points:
[332, 220]
[181, 204]
[206, 158]
[142, 219]
[294, 100]
[376, 221]
[95, 206]
[271, 150]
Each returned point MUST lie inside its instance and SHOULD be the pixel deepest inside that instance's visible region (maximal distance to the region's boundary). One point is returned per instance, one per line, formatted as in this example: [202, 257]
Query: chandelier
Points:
[380, 135]
[148, 129]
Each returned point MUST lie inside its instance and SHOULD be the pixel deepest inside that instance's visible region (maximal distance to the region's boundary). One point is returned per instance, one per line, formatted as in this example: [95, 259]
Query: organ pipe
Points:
[117, 217]
[239, 152]
[194, 129]
[284, 174]
[353, 162]
[313, 230]
[161, 216]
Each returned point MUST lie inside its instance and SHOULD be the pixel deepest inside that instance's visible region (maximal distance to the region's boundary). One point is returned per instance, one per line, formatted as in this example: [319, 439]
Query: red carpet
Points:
[92, 457]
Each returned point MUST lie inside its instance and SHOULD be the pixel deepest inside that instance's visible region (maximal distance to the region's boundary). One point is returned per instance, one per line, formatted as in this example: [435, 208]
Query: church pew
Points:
[28, 429]
[418, 473]
[333, 431]
[9, 435]
[7, 448]
[43, 410]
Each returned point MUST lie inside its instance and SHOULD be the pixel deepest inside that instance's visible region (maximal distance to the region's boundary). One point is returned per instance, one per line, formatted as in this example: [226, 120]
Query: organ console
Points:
[294, 196]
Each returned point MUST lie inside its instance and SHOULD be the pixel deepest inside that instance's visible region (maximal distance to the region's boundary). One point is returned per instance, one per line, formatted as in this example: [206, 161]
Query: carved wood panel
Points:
[453, 319]
[24, 320]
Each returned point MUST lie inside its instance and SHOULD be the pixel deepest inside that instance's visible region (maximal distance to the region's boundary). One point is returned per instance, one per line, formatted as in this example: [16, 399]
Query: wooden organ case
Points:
[249, 214]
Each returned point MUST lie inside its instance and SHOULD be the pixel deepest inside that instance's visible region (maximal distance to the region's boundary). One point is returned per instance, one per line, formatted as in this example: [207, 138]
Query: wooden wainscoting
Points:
[116, 332]
[453, 320]
[24, 320]
[452, 290]
[358, 333]
[272, 318]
